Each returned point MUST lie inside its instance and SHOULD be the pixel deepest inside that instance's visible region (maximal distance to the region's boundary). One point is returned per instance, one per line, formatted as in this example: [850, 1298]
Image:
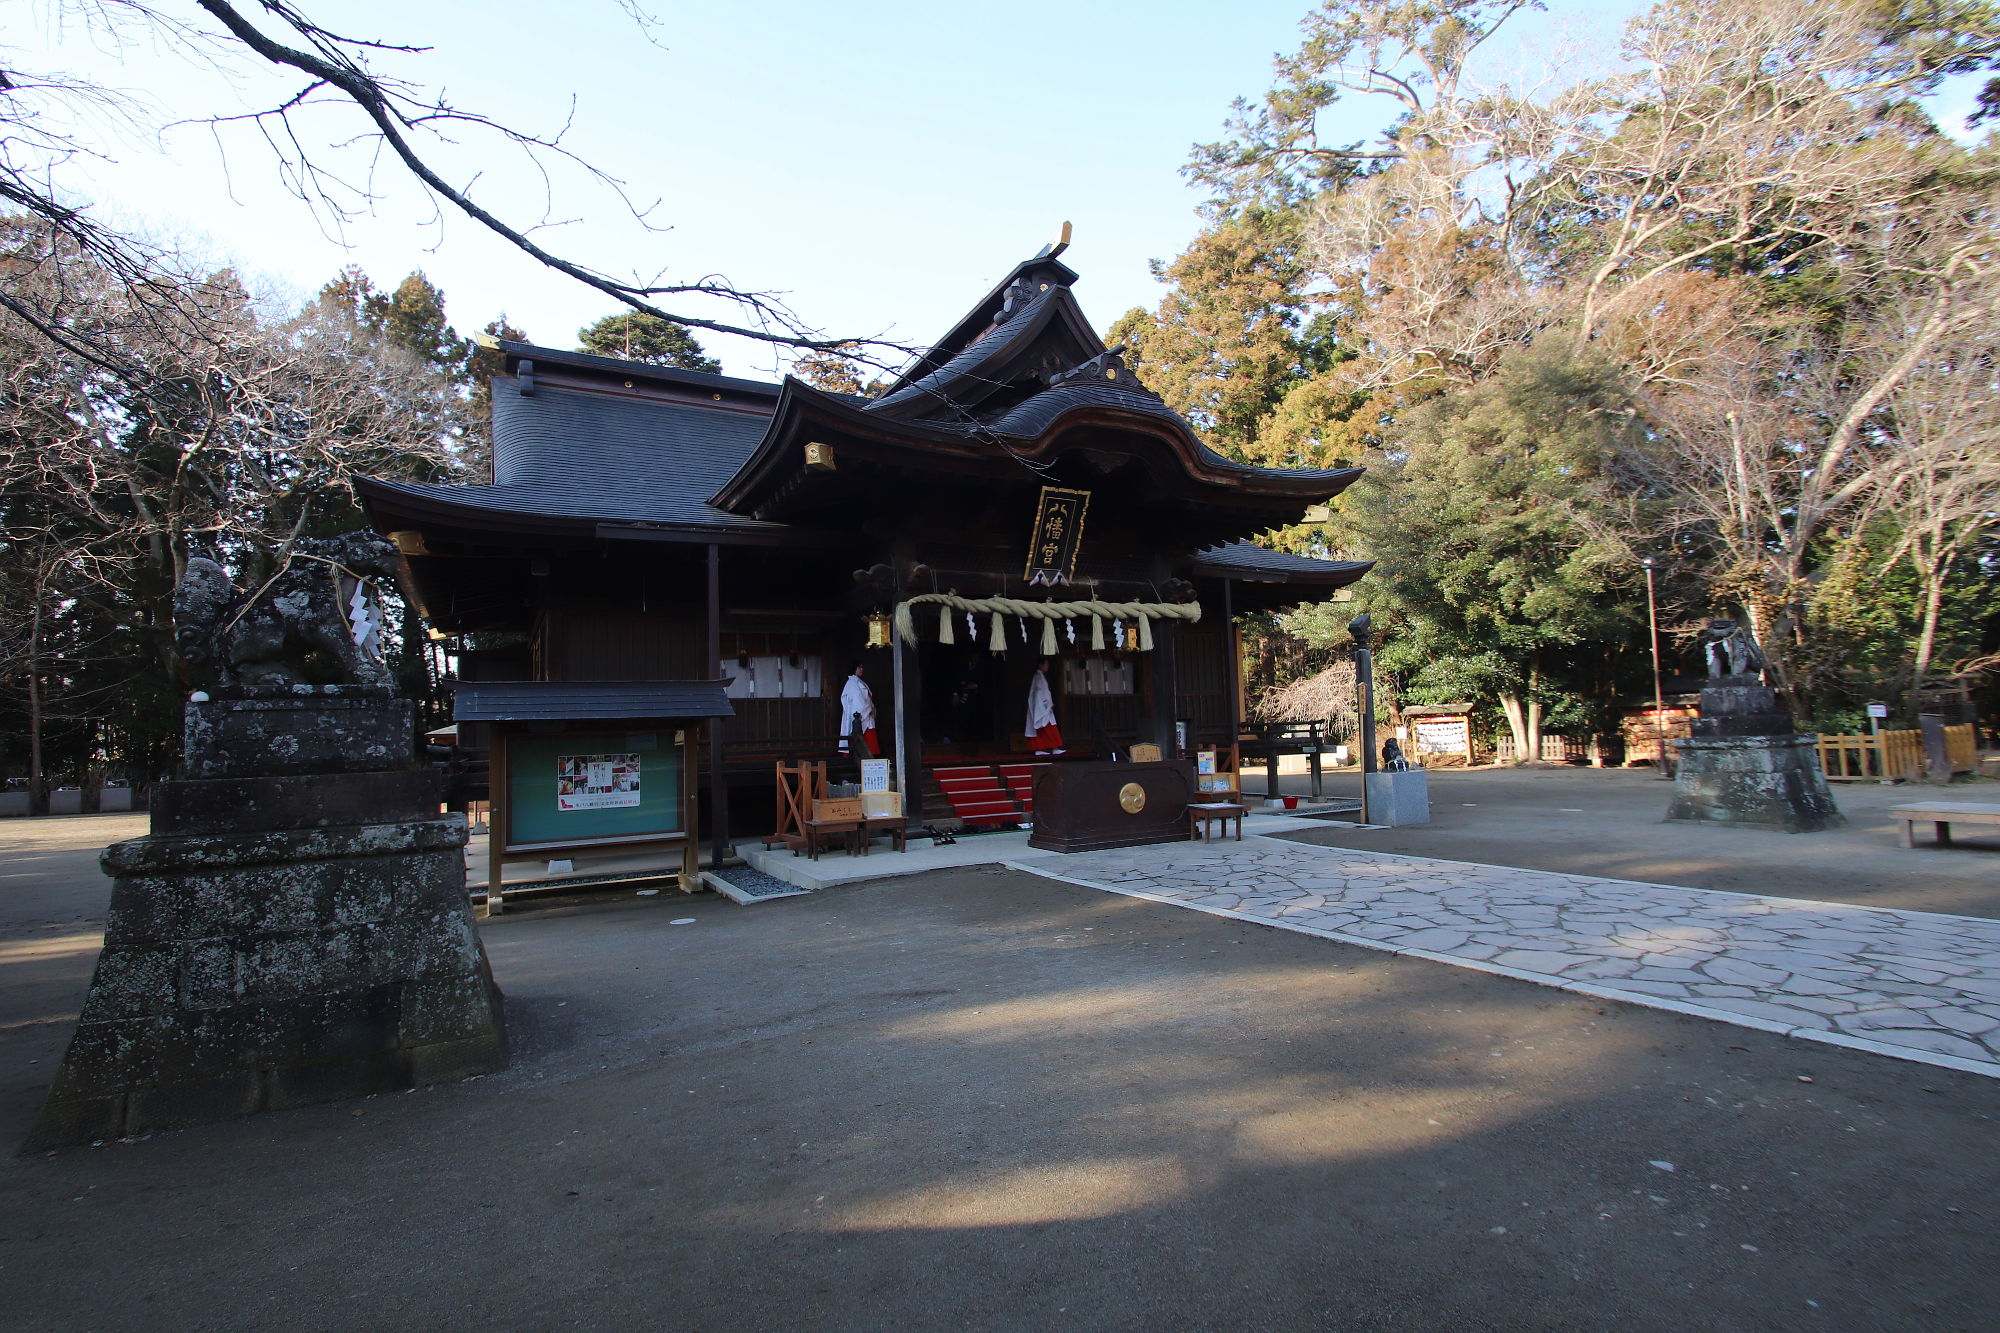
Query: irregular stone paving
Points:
[1913, 984]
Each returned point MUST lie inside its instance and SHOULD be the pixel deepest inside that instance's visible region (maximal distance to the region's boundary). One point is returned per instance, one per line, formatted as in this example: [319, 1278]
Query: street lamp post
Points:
[1659, 700]
[1364, 674]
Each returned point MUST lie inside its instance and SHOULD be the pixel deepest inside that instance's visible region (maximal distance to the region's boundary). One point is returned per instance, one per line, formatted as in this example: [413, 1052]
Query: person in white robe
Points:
[857, 713]
[1043, 734]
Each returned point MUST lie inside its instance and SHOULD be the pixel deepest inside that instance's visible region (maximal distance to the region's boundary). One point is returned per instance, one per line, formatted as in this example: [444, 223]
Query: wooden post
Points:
[904, 746]
[718, 786]
[496, 820]
[688, 753]
[1232, 646]
[1166, 686]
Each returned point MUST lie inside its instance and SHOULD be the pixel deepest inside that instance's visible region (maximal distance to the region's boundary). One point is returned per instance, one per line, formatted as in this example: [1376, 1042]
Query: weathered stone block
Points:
[296, 929]
[281, 731]
[179, 1105]
[208, 978]
[1770, 782]
[79, 1120]
[449, 1061]
[449, 1009]
[133, 983]
[311, 800]
[305, 1085]
[251, 971]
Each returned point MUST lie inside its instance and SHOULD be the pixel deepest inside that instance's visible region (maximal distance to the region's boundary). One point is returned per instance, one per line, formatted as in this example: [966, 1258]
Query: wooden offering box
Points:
[1085, 807]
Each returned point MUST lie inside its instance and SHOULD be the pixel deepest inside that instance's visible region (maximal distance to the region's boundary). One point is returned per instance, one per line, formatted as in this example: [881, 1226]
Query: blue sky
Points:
[882, 163]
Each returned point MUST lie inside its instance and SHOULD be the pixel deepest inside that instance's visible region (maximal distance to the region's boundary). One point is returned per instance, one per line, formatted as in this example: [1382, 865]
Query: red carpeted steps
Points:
[989, 794]
[1020, 780]
[976, 795]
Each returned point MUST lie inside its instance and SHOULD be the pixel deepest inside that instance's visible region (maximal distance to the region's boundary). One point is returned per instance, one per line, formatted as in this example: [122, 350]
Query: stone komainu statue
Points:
[1730, 650]
[323, 603]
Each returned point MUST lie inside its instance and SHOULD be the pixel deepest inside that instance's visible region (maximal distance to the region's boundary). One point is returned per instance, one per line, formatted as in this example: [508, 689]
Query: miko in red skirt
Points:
[1043, 734]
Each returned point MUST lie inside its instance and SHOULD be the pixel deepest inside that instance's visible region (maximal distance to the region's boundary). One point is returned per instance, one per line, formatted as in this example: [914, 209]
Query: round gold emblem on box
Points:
[1132, 797]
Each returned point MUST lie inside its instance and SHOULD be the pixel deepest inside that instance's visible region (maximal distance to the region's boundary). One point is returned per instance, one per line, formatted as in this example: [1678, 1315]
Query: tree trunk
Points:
[38, 790]
[1510, 707]
[1934, 579]
[1534, 708]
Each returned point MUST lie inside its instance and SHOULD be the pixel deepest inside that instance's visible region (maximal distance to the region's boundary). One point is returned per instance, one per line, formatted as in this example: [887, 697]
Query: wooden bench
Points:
[1943, 814]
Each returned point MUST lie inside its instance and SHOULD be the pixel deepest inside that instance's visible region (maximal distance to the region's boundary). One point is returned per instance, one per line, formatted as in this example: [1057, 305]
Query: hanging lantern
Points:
[878, 630]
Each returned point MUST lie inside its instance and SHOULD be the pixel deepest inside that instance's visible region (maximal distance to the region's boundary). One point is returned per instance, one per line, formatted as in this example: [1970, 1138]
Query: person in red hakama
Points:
[1043, 734]
[857, 713]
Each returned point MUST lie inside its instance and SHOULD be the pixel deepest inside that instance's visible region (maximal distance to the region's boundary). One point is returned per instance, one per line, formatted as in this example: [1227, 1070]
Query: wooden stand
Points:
[1083, 807]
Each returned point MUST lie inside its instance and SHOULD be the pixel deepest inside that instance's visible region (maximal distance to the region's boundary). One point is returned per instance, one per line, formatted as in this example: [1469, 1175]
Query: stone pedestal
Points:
[1744, 765]
[1399, 798]
[294, 930]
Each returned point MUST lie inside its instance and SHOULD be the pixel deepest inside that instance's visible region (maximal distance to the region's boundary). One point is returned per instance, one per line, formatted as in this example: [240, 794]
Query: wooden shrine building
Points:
[687, 565]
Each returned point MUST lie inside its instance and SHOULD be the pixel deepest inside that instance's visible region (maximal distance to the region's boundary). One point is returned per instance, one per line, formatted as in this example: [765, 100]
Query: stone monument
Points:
[295, 929]
[1742, 762]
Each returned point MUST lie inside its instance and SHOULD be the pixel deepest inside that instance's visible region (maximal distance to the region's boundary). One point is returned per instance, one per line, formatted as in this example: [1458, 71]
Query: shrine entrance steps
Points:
[988, 794]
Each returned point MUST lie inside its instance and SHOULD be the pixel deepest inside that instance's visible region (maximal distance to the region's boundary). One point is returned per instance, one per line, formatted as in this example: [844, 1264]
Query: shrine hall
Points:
[665, 589]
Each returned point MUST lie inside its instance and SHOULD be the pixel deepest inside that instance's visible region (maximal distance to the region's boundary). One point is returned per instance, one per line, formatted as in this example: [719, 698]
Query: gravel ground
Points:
[980, 1099]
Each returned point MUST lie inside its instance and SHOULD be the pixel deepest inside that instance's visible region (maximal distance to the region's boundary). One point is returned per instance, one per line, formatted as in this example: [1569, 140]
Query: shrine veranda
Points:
[670, 575]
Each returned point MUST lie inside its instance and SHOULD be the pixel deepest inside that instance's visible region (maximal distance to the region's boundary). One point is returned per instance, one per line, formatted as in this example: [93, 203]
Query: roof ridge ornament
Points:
[1015, 299]
[1058, 245]
[1107, 369]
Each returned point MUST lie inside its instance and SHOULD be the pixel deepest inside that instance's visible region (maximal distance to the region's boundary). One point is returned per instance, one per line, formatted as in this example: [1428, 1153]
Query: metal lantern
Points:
[878, 630]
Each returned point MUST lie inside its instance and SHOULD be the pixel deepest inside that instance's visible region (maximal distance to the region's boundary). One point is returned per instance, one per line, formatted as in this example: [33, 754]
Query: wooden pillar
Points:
[1232, 649]
[496, 819]
[907, 747]
[718, 784]
[1166, 693]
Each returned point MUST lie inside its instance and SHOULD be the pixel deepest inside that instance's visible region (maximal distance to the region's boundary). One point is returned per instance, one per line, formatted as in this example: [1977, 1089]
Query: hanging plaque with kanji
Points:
[1057, 534]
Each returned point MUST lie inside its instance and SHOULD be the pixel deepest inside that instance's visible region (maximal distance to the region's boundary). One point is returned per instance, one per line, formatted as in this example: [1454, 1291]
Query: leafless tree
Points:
[326, 133]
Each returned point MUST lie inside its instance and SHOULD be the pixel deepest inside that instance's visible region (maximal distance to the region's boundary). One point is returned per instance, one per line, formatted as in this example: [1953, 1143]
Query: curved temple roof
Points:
[581, 440]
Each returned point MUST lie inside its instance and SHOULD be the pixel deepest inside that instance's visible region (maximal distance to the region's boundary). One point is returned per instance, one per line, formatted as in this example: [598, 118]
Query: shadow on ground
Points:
[988, 1100]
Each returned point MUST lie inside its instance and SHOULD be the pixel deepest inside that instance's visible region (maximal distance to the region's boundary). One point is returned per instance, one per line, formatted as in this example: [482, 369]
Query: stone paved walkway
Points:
[1910, 984]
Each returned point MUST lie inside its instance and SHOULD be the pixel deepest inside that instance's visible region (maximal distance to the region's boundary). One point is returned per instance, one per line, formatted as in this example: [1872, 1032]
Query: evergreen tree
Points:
[1489, 518]
[632, 336]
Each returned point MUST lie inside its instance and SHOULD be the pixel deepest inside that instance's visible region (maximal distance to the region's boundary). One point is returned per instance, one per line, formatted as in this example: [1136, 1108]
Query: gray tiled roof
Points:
[565, 453]
[1254, 560]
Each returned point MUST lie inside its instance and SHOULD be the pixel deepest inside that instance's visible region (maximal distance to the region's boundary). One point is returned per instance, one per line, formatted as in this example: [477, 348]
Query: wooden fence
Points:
[1894, 755]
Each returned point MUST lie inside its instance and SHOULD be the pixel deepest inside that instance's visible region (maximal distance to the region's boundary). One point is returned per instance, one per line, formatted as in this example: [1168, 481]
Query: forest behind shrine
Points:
[1725, 301]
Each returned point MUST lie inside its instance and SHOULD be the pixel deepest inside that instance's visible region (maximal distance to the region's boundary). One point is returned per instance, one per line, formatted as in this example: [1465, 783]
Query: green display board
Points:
[585, 785]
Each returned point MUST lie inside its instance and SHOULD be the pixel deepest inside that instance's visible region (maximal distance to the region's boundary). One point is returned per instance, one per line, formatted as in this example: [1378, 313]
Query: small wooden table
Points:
[1943, 814]
[1203, 816]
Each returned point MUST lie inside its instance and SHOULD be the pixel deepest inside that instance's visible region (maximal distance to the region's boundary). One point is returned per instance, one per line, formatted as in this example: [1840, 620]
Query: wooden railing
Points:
[1961, 747]
[1895, 755]
[1885, 755]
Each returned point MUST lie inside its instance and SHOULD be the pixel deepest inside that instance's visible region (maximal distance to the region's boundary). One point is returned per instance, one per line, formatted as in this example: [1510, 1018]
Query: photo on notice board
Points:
[596, 781]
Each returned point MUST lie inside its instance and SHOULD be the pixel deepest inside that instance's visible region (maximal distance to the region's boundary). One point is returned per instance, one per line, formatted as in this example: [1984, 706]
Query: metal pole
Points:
[1659, 699]
[1364, 670]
